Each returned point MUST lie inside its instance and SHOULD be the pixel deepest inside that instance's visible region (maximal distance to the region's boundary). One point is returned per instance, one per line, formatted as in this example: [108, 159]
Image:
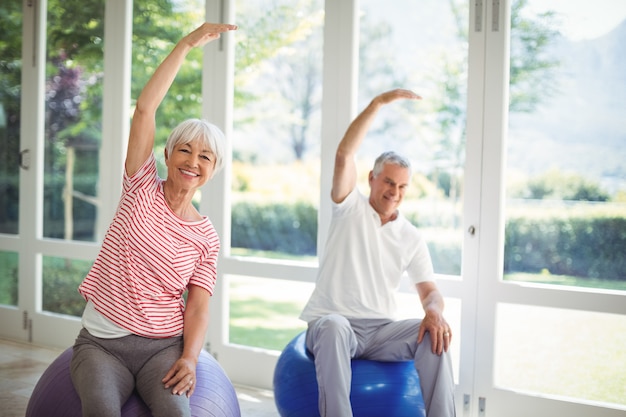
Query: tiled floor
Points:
[22, 364]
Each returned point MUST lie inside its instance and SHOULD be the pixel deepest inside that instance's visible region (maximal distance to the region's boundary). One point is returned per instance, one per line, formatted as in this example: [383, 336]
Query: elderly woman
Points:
[138, 332]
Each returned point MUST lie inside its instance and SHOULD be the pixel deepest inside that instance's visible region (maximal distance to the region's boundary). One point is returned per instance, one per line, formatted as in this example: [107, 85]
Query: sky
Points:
[585, 19]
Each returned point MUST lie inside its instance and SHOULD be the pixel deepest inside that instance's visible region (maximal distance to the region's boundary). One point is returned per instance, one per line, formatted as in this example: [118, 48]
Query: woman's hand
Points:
[397, 94]
[206, 33]
[181, 377]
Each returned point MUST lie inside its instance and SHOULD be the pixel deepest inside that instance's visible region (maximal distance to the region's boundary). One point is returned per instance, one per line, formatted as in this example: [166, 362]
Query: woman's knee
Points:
[168, 404]
[102, 382]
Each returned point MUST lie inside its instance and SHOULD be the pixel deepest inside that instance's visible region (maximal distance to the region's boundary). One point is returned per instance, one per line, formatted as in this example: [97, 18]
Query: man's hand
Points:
[439, 330]
[433, 322]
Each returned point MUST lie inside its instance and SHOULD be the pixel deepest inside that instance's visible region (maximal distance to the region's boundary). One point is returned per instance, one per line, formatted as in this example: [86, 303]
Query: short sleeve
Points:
[420, 268]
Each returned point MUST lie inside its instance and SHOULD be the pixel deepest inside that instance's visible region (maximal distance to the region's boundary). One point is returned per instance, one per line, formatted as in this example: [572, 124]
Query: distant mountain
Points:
[583, 127]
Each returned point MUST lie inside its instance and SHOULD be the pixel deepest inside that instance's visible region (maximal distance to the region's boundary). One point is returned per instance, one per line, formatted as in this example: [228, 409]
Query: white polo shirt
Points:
[363, 262]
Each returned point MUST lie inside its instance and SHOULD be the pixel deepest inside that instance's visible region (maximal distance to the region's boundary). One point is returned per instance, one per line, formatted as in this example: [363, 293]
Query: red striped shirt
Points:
[148, 258]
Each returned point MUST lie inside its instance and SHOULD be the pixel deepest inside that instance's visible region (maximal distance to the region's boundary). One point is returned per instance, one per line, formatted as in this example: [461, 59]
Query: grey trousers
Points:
[106, 371]
[334, 340]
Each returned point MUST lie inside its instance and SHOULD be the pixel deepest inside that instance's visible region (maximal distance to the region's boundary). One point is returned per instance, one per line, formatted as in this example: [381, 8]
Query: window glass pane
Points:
[421, 46]
[264, 312]
[73, 118]
[60, 280]
[567, 353]
[8, 278]
[275, 171]
[10, 93]
[566, 177]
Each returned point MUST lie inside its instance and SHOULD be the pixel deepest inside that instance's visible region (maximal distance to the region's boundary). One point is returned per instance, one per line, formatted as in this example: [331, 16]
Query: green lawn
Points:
[8, 278]
[264, 313]
[547, 278]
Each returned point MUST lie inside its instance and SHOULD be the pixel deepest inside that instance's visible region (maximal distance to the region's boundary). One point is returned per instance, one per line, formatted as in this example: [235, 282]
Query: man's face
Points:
[387, 190]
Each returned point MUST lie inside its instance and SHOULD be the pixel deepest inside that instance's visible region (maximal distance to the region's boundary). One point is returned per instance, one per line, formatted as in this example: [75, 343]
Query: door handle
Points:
[25, 159]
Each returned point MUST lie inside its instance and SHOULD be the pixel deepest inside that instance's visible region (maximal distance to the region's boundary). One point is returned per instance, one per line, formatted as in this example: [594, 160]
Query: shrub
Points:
[61, 279]
[288, 228]
[577, 246]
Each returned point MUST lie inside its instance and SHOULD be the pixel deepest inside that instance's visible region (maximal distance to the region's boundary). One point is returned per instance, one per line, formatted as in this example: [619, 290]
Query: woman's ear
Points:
[165, 153]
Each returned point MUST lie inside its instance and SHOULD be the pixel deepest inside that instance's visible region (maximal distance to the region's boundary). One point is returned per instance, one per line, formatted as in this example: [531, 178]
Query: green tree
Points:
[532, 72]
[280, 45]
[76, 34]
[531, 81]
[555, 184]
[10, 78]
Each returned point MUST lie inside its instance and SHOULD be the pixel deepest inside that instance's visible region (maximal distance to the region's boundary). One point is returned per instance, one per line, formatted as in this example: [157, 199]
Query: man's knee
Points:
[333, 323]
[331, 330]
[329, 327]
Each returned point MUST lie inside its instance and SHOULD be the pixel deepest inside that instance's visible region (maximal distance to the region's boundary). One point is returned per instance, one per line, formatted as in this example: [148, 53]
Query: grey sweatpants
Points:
[106, 371]
[334, 340]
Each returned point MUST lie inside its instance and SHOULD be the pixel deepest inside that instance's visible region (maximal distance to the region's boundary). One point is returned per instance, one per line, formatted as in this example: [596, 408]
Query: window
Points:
[10, 101]
[420, 46]
[73, 115]
[275, 170]
[566, 181]
[565, 209]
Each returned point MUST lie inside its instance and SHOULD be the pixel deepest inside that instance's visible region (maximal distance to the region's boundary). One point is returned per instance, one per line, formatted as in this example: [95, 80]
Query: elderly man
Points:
[370, 246]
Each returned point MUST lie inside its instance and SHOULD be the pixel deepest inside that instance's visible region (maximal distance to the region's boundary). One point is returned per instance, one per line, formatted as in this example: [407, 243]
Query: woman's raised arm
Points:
[142, 130]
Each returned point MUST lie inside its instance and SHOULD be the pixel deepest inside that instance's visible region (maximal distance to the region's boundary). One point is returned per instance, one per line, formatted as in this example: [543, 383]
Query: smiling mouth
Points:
[188, 173]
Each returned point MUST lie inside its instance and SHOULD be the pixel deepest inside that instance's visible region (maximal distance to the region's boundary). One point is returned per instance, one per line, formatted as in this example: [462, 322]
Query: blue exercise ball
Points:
[390, 389]
[55, 396]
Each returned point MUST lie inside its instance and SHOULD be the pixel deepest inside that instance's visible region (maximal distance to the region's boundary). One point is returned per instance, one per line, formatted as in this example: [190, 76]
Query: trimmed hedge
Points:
[287, 228]
[593, 247]
[588, 246]
[60, 280]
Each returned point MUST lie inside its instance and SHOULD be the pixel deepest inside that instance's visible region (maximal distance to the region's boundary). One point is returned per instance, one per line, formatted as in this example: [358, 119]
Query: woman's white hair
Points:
[207, 133]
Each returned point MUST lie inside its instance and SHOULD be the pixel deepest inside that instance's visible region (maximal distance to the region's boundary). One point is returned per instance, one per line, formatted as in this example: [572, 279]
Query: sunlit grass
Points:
[264, 312]
[566, 353]
[546, 278]
[8, 278]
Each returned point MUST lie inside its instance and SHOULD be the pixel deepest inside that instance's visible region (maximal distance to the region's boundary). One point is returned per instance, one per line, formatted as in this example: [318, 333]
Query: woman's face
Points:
[190, 165]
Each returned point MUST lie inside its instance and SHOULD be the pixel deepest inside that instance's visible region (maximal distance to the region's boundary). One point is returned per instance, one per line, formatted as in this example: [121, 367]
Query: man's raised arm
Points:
[345, 174]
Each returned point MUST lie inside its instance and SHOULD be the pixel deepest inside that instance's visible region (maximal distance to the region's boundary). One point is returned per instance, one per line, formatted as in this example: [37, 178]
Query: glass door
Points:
[11, 20]
[71, 142]
[552, 313]
[285, 133]
[271, 187]
[53, 132]
[65, 172]
[424, 46]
